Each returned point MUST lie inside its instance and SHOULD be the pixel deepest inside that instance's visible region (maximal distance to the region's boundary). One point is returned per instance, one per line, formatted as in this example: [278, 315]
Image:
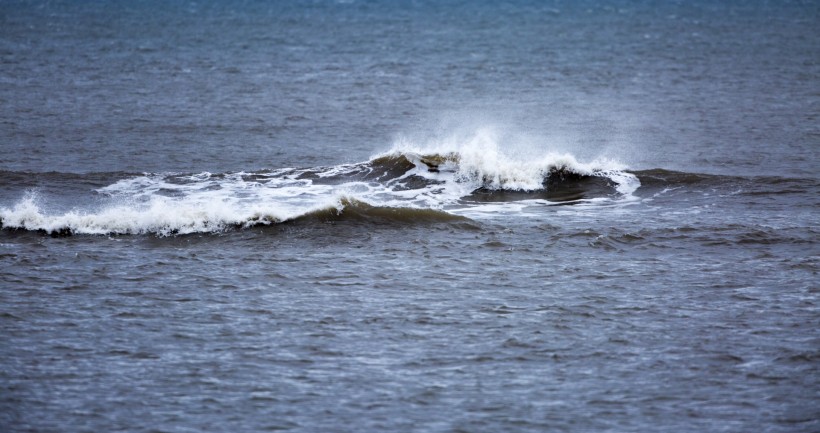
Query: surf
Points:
[404, 185]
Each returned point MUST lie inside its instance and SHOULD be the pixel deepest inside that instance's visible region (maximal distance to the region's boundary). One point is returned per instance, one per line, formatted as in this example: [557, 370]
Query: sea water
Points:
[409, 216]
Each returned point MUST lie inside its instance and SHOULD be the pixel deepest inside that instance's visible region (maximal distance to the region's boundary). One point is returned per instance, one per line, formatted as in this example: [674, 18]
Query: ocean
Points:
[415, 216]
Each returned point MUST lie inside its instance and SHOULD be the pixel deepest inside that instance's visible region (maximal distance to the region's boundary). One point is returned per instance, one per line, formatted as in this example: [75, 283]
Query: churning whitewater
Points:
[469, 181]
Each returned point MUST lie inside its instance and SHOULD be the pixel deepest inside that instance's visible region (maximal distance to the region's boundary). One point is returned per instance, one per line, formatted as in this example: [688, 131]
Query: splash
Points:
[479, 160]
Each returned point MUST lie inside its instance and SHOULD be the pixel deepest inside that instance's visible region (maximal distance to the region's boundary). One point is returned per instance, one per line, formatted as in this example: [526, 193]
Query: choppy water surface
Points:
[363, 216]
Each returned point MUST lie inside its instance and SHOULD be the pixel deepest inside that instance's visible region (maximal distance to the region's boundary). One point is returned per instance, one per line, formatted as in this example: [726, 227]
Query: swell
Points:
[660, 178]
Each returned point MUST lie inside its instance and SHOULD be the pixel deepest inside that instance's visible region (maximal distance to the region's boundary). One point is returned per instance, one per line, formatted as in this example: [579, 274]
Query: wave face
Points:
[402, 185]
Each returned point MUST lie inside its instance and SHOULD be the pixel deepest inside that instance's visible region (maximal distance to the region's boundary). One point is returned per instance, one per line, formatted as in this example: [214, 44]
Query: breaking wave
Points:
[400, 186]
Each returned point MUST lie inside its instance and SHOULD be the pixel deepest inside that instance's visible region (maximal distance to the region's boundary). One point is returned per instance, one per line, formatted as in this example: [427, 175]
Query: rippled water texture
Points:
[427, 216]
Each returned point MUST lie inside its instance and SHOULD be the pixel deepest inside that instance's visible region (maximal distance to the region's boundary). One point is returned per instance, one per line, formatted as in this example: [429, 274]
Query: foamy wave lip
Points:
[478, 161]
[161, 216]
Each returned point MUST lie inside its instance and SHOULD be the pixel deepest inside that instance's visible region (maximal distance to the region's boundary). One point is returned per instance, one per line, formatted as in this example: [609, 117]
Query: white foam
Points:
[164, 216]
[483, 161]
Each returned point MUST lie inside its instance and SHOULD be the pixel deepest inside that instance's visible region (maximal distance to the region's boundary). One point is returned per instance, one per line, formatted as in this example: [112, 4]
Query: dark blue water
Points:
[416, 216]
